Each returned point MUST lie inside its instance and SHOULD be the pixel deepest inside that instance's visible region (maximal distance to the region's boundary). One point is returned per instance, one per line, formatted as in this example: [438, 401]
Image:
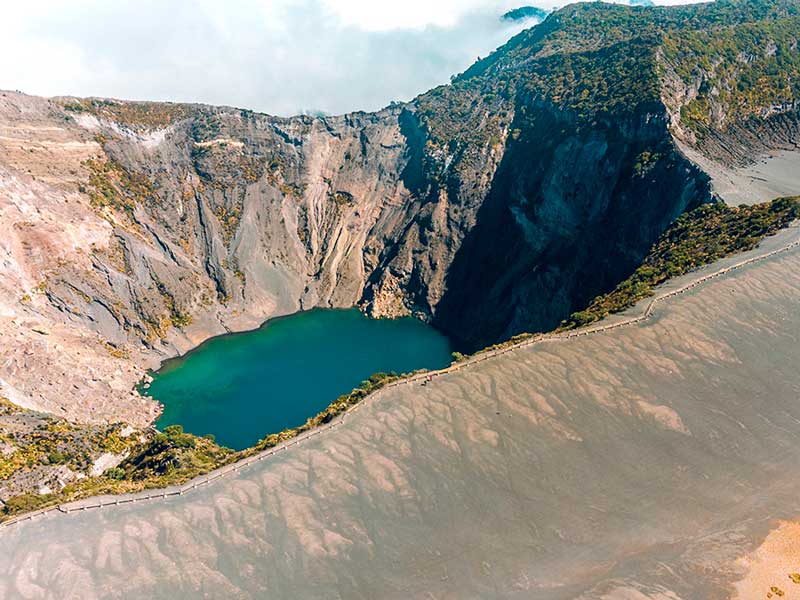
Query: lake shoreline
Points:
[241, 376]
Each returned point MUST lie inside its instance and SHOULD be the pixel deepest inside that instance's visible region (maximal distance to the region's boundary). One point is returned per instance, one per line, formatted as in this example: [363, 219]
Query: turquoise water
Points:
[243, 386]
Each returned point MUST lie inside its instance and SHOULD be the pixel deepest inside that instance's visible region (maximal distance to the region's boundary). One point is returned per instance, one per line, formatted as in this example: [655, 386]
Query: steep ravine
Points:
[344, 216]
[572, 211]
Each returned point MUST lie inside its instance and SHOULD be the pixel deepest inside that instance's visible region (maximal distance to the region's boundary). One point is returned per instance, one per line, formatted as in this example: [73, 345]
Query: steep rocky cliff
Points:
[498, 204]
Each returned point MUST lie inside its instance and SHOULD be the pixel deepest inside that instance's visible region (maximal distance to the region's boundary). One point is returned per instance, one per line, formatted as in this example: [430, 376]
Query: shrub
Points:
[697, 238]
[115, 473]
[58, 458]
[174, 437]
[25, 503]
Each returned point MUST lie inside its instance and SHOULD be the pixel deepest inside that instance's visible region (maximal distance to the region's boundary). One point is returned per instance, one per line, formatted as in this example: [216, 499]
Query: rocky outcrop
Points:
[571, 213]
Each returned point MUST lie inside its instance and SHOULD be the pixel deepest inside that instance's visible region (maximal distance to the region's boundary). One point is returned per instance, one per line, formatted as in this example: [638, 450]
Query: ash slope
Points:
[649, 461]
[495, 205]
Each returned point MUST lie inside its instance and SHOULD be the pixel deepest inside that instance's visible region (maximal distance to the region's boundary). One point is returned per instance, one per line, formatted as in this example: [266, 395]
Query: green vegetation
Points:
[696, 114]
[336, 408]
[251, 167]
[115, 473]
[162, 459]
[611, 80]
[175, 316]
[34, 440]
[171, 457]
[112, 186]
[596, 60]
[513, 341]
[697, 238]
[525, 12]
[221, 163]
[745, 70]
[700, 237]
[181, 319]
[644, 162]
[224, 164]
[229, 218]
[116, 351]
[591, 62]
[136, 115]
[459, 357]
[8, 408]
[26, 503]
[341, 199]
[589, 26]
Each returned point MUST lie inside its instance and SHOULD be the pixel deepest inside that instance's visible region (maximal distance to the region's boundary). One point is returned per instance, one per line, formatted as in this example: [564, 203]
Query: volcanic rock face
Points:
[566, 218]
[495, 205]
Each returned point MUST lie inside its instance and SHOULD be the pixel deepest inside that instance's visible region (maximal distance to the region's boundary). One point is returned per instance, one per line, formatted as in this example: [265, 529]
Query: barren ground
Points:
[652, 461]
[770, 176]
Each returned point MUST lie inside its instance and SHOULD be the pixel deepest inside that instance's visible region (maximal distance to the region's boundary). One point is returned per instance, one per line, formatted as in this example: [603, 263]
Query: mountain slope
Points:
[501, 203]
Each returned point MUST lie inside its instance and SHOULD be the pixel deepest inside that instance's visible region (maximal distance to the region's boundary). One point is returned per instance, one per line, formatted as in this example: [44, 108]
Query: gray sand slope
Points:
[642, 462]
[770, 176]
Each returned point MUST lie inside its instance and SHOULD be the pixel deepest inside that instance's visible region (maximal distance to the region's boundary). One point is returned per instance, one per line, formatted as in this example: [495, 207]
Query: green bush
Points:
[115, 473]
[697, 238]
[25, 503]
[58, 458]
[174, 437]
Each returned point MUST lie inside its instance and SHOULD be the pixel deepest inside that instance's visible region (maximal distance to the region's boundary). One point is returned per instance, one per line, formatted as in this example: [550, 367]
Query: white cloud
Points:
[372, 15]
[278, 56]
[383, 16]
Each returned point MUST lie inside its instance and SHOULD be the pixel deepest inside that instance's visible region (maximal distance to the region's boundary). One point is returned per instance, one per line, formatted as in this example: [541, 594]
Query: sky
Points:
[277, 56]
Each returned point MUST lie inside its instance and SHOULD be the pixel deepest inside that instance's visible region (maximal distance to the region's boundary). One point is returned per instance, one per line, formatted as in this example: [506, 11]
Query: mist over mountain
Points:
[280, 57]
[525, 12]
